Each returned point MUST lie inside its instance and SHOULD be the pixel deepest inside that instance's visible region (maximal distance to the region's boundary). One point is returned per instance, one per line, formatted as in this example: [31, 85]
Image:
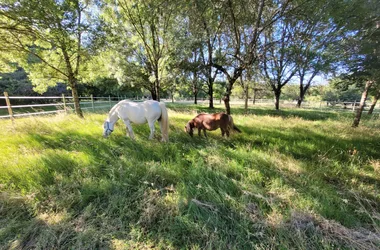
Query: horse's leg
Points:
[223, 132]
[204, 132]
[199, 132]
[228, 132]
[129, 129]
[151, 126]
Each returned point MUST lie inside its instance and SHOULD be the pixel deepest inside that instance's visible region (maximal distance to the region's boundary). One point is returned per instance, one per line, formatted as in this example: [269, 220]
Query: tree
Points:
[374, 102]
[246, 85]
[49, 43]
[278, 64]
[315, 36]
[245, 21]
[190, 66]
[146, 27]
[363, 51]
[205, 20]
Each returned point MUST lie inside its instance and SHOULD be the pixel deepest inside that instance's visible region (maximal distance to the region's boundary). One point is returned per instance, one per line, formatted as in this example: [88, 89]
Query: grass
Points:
[294, 179]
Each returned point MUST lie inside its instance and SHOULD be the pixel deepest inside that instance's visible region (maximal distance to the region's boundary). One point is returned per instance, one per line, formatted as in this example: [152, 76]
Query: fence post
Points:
[109, 100]
[92, 103]
[353, 106]
[64, 102]
[9, 106]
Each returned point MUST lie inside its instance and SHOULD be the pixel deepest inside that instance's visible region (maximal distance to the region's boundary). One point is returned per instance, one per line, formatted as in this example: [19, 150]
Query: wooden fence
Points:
[53, 104]
[59, 104]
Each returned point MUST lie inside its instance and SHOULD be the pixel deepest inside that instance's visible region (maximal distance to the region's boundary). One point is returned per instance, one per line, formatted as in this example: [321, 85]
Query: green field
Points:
[294, 179]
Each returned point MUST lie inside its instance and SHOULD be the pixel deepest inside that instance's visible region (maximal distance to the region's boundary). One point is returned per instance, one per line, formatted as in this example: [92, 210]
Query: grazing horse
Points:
[139, 113]
[211, 122]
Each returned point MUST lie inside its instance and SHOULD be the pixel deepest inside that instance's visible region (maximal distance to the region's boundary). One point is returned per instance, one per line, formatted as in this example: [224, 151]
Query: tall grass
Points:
[293, 179]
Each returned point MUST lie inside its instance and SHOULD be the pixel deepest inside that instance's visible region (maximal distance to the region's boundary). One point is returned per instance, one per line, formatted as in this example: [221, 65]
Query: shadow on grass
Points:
[22, 229]
[306, 114]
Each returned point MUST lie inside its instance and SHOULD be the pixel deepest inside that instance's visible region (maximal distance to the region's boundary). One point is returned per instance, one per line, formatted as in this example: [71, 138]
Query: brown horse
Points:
[211, 122]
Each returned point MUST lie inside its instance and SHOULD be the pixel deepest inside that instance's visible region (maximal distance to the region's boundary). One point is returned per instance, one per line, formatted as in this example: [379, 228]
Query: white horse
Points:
[139, 113]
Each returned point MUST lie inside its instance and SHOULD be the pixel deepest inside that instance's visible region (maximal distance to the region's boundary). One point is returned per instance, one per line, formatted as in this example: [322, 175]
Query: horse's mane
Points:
[116, 106]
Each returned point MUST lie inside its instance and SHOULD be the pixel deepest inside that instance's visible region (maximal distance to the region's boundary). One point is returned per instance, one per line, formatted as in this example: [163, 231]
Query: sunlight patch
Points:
[52, 218]
[376, 165]
[118, 244]
[275, 219]
[287, 163]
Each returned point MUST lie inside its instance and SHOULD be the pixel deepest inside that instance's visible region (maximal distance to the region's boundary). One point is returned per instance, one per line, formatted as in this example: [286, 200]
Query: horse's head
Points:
[107, 128]
[189, 128]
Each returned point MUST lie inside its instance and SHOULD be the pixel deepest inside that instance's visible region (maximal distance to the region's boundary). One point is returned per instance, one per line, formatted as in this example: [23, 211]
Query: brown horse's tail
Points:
[237, 129]
[232, 125]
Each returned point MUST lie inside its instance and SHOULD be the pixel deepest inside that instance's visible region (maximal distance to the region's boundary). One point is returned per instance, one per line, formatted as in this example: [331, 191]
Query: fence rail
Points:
[61, 104]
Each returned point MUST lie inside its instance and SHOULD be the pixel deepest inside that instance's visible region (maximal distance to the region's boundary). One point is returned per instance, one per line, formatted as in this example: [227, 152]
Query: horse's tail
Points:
[164, 122]
[237, 129]
[232, 125]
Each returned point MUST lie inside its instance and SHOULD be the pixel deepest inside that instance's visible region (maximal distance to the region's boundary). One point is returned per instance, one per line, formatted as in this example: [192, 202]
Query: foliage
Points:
[317, 38]
[49, 43]
[339, 90]
[16, 83]
[146, 29]
[290, 92]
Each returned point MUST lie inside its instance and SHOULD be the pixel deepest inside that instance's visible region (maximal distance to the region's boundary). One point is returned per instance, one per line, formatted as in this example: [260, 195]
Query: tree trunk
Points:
[226, 100]
[277, 94]
[211, 94]
[377, 96]
[246, 95]
[72, 79]
[299, 101]
[304, 87]
[74, 92]
[153, 93]
[359, 111]
[302, 92]
[157, 85]
[246, 99]
[195, 87]
[254, 96]
[301, 96]
[227, 95]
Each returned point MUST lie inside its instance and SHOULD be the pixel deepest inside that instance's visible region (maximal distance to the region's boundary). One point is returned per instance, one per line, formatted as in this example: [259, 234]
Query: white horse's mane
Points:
[115, 107]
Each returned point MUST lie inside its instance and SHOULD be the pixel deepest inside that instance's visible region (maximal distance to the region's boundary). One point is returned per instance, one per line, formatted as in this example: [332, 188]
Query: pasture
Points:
[294, 179]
